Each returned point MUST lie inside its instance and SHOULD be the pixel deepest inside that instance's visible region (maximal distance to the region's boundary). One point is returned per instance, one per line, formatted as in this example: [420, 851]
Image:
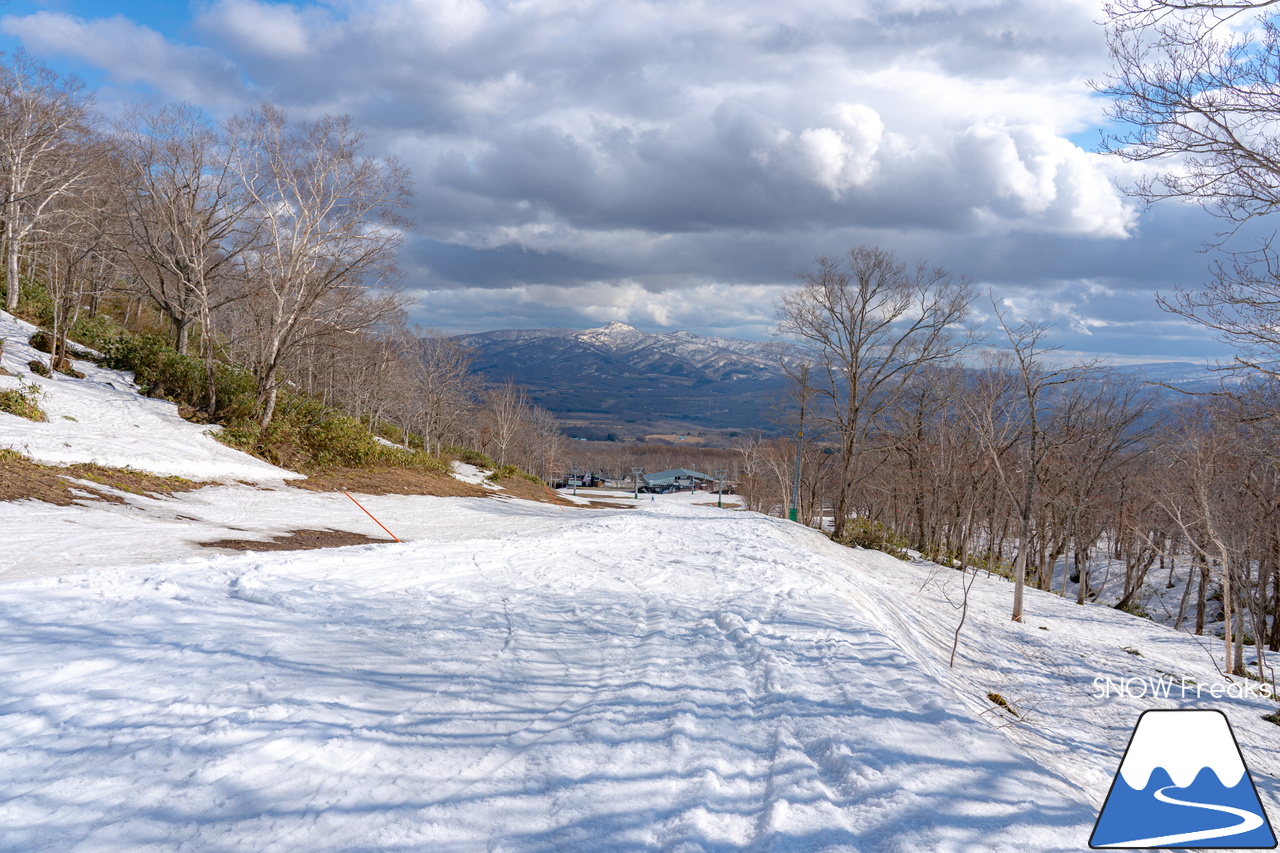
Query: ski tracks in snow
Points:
[661, 680]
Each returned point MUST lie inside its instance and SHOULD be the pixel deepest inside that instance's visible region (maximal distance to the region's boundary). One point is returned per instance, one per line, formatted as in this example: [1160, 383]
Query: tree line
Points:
[997, 454]
[1054, 472]
[263, 241]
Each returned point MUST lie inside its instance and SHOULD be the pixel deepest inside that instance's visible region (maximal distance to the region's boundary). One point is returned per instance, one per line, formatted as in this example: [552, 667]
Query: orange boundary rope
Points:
[375, 521]
[553, 498]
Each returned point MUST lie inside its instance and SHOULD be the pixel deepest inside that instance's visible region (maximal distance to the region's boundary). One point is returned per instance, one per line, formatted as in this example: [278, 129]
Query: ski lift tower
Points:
[720, 477]
[635, 476]
[575, 472]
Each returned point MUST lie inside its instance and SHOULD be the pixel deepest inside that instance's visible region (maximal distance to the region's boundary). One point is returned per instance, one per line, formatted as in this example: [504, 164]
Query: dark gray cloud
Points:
[678, 163]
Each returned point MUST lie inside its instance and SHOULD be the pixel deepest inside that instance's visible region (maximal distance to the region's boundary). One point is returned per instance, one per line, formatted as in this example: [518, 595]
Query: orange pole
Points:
[553, 498]
[375, 521]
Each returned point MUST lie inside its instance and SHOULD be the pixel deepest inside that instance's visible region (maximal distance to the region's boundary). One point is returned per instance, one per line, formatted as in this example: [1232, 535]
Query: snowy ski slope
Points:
[519, 677]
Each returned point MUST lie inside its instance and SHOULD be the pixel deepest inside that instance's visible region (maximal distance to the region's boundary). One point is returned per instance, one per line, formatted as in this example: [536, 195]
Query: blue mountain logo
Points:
[1183, 782]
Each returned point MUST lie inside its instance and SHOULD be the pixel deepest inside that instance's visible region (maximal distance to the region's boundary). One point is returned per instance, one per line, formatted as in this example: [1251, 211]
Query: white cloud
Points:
[843, 157]
[625, 154]
[1026, 175]
[131, 53]
[270, 29]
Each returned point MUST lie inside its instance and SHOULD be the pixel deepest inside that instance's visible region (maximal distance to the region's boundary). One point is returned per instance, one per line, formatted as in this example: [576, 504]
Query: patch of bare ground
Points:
[297, 540]
[519, 487]
[416, 481]
[22, 479]
[390, 481]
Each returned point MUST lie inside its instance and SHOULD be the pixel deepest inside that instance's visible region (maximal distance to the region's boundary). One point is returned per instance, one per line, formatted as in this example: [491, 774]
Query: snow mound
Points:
[468, 473]
[103, 419]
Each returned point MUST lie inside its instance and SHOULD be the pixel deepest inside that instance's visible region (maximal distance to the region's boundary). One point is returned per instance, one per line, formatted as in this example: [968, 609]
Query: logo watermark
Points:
[1183, 783]
[1168, 687]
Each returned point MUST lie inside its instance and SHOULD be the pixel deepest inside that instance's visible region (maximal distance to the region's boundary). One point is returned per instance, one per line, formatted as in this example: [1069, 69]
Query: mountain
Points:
[618, 379]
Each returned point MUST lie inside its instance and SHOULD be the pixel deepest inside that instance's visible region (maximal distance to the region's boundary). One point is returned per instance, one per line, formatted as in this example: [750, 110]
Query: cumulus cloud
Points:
[598, 147]
[131, 53]
[266, 28]
[1027, 175]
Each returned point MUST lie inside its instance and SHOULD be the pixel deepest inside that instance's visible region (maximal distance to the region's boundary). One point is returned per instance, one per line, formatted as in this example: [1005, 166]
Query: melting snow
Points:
[520, 677]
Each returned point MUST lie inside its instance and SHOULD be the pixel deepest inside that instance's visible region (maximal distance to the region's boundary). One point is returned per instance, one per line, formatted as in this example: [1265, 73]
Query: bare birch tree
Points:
[76, 257]
[45, 121]
[505, 413]
[1189, 89]
[329, 220]
[1012, 417]
[185, 228]
[444, 389]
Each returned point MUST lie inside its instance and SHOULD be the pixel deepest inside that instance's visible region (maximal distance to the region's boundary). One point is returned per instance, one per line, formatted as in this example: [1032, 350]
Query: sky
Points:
[676, 165]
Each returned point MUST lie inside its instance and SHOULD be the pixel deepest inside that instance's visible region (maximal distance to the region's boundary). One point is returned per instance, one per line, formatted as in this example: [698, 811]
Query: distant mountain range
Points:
[617, 380]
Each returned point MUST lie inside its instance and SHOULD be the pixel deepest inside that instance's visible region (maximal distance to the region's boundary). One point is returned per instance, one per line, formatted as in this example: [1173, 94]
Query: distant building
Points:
[677, 479]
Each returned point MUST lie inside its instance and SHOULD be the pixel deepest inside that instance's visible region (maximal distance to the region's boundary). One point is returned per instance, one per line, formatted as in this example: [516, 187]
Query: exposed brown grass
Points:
[297, 540]
[390, 481]
[20, 479]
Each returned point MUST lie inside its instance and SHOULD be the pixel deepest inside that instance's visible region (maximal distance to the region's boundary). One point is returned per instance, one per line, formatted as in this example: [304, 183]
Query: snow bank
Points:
[102, 419]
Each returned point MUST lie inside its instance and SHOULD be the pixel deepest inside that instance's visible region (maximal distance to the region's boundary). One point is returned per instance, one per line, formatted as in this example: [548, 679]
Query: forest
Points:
[245, 269]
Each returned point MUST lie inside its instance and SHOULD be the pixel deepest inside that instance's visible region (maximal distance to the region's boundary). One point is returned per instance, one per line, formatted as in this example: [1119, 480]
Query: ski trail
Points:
[1248, 822]
[676, 681]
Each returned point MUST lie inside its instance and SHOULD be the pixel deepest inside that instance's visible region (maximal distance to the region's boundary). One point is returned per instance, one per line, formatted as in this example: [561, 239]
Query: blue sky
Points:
[674, 165]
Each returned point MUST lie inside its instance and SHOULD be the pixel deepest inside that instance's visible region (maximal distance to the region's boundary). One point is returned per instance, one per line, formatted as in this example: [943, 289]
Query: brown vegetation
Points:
[390, 481]
[21, 479]
[297, 540]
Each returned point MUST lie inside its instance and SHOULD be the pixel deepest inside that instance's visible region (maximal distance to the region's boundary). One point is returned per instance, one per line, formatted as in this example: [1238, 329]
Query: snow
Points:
[523, 677]
[468, 473]
[46, 540]
[669, 678]
[102, 419]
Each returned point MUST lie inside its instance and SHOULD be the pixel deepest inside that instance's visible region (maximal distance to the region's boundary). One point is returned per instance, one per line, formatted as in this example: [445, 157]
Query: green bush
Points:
[96, 330]
[35, 305]
[473, 457]
[865, 533]
[161, 372]
[305, 433]
[991, 563]
[23, 401]
[512, 471]
[1135, 608]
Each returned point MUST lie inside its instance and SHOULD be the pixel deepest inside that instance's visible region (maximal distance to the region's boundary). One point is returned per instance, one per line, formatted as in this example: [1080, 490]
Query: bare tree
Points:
[328, 220]
[76, 258]
[505, 414]
[1012, 417]
[185, 228]
[45, 126]
[444, 389]
[872, 325]
[1187, 89]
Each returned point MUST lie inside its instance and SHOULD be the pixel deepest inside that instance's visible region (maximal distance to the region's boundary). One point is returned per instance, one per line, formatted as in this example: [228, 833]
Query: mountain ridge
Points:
[616, 379]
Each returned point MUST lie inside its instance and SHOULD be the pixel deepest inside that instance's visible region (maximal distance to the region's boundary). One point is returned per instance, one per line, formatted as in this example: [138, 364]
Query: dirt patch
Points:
[297, 540]
[22, 479]
[415, 481]
[519, 487]
[390, 481]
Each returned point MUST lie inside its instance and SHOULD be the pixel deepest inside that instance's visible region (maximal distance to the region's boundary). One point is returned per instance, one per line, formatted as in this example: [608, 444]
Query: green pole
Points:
[795, 489]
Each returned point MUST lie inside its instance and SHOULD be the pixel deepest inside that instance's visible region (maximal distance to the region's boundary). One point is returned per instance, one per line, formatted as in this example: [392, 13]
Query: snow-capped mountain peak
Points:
[613, 336]
[1183, 743]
